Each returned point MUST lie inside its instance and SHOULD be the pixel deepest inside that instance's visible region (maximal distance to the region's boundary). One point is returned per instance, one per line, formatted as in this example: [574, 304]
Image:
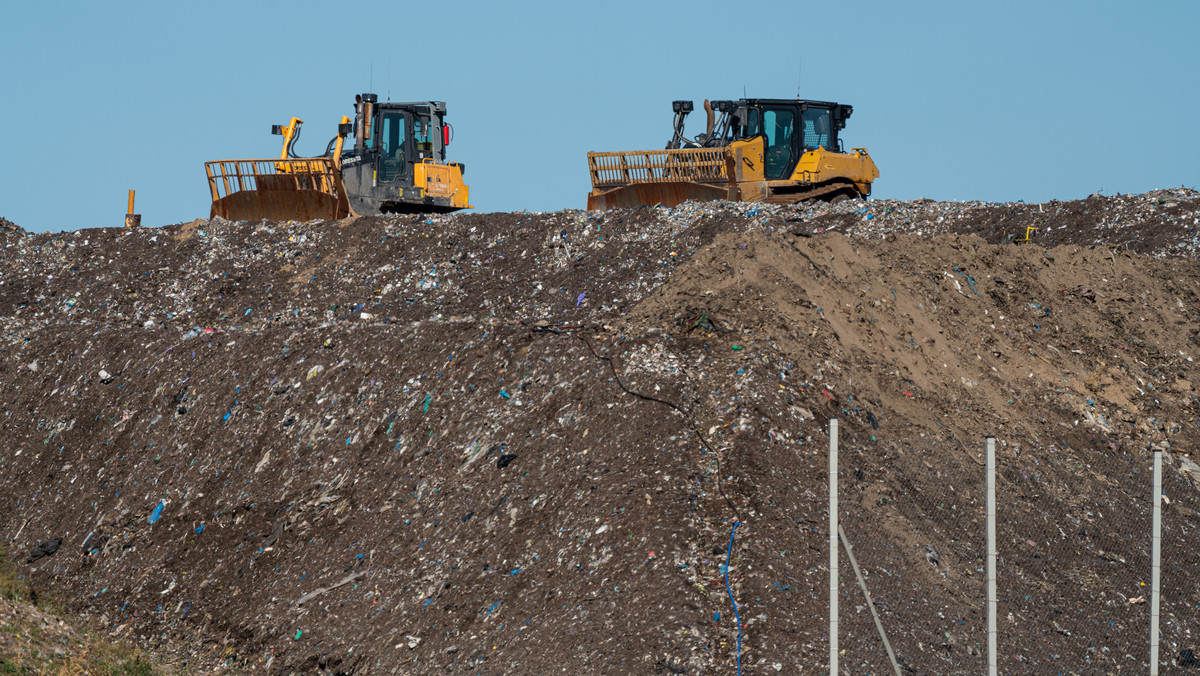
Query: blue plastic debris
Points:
[970, 280]
[157, 513]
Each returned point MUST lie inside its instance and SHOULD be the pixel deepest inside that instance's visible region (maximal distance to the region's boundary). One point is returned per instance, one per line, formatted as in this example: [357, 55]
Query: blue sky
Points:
[955, 100]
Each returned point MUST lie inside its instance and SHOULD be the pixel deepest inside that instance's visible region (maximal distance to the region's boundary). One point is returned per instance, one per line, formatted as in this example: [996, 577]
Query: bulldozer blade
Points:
[277, 205]
[276, 190]
[667, 194]
[649, 177]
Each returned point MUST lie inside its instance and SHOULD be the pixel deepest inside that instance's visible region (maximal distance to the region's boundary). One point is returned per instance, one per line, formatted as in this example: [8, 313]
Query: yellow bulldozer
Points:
[396, 163]
[780, 151]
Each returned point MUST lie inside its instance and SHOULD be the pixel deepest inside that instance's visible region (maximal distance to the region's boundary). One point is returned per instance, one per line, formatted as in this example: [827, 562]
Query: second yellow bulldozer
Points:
[753, 150]
[395, 164]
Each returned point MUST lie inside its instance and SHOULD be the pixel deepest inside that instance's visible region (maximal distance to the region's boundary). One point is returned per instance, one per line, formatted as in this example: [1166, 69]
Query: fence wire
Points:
[1073, 566]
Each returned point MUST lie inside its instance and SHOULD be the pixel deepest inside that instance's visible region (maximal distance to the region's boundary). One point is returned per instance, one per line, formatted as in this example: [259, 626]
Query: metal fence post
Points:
[1156, 561]
[833, 548]
[991, 554]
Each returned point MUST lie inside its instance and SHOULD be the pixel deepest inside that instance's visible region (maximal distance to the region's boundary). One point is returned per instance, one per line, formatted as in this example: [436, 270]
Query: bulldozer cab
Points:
[396, 136]
[396, 163]
[789, 129]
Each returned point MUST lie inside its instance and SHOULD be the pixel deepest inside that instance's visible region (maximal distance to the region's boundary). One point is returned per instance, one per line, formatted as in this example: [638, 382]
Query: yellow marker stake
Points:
[132, 220]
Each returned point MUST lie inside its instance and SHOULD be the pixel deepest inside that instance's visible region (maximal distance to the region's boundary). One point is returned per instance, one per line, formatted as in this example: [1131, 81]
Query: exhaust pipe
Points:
[708, 111]
[364, 105]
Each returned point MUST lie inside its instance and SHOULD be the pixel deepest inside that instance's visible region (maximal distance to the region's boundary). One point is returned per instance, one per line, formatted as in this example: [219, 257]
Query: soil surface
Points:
[538, 443]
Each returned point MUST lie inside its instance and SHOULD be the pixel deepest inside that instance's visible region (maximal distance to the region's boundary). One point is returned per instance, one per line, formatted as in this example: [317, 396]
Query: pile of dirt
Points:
[529, 443]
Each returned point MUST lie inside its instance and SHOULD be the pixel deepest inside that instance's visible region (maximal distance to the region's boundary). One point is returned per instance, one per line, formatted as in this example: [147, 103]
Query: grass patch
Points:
[40, 640]
[8, 668]
[95, 659]
[12, 587]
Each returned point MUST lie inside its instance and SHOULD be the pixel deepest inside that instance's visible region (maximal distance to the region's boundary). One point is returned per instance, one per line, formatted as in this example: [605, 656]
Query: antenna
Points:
[799, 72]
[744, 91]
[389, 92]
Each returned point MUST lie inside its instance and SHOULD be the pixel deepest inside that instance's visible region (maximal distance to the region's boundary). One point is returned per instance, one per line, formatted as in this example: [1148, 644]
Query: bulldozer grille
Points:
[690, 165]
[226, 177]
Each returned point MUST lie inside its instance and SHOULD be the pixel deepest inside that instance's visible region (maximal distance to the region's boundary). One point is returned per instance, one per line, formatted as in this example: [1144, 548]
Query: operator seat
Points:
[392, 165]
[821, 129]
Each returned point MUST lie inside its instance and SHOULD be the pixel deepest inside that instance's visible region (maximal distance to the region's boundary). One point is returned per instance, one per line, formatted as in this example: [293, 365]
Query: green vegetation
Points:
[34, 641]
[12, 587]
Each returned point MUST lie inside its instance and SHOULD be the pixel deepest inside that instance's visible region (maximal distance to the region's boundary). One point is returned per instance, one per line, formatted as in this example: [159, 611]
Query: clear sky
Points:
[955, 100]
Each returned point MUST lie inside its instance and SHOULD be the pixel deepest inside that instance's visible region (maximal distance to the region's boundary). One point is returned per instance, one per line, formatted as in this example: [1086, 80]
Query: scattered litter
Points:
[322, 590]
[127, 360]
[46, 548]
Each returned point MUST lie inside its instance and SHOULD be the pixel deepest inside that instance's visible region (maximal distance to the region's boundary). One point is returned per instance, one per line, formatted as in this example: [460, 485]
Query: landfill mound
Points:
[529, 443]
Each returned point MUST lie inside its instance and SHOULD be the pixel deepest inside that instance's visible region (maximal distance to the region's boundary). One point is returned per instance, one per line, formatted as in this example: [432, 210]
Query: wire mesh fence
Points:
[1073, 564]
[1180, 581]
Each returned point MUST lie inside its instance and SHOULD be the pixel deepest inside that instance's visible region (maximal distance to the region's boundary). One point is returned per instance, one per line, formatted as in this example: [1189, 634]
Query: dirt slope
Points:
[519, 443]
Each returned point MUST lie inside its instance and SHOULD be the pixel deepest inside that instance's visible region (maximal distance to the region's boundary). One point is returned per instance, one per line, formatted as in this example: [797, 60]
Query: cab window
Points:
[421, 129]
[391, 137]
[752, 126]
[778, 127]
[818, 129]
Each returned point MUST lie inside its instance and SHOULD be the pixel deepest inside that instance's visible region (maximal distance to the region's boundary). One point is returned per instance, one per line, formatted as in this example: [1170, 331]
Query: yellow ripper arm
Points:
[289, 132]
[337, 146]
